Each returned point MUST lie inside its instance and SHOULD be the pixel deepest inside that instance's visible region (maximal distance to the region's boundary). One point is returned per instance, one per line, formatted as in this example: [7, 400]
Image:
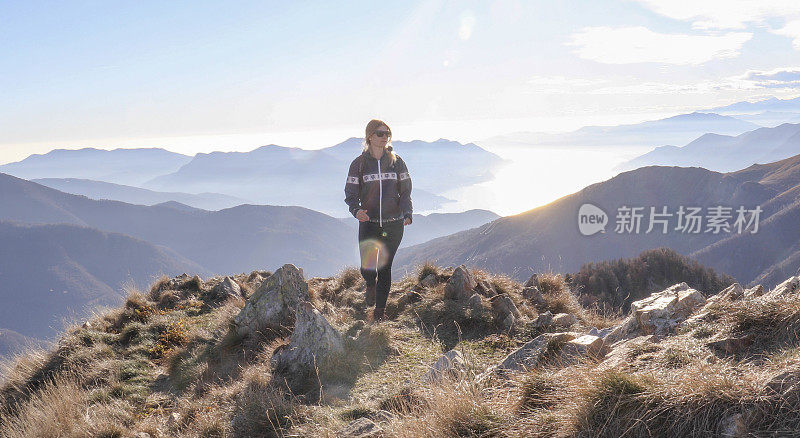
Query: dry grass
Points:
[167, 363]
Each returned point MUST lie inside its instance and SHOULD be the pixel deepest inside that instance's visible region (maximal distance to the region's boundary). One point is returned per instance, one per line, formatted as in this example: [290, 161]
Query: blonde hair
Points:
[373, 126]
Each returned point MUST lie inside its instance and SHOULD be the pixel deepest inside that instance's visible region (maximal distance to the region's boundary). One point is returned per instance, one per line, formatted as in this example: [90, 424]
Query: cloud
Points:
[629, 45]
[791, 30]
[467, 25]
[723, 14]
[784, 77]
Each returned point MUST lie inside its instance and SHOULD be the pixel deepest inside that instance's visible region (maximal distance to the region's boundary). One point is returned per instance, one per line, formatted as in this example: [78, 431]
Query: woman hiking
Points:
[378, 193]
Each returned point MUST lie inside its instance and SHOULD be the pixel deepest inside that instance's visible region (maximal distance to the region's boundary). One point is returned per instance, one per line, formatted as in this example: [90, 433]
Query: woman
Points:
[378, 193]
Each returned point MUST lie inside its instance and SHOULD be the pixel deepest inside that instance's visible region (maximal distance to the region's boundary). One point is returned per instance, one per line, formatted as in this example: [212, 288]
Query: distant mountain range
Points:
[270, 174]
[725, 153]
[121, 166]
[135, 195]
[548, 238]
[673, 130]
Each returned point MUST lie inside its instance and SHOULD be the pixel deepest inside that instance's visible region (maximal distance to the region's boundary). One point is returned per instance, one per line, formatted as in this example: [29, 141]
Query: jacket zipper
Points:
[380, 196]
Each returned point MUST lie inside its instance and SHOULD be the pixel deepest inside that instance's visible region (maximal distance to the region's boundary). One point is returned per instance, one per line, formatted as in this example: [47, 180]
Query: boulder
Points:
[584, 346]
[275, 303]
[564, 320]
[534, 296]
[505, 311]
[662, 311]
[475, 303]
[450, 365]
[485, 288]
[228, 287]
[429, 281]
[528, 356]
[312, 340]
[361, 428]
[461, 284]
[543, 320]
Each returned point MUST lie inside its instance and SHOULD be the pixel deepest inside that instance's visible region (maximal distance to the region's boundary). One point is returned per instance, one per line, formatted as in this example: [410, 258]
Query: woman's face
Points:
[379, 142]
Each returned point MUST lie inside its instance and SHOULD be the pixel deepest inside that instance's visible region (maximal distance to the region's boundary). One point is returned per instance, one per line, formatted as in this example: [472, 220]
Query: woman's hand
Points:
[407, 221]
[361, 215]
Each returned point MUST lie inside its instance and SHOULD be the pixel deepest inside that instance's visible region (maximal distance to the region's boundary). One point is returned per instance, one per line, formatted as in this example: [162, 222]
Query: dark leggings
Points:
[377, 246]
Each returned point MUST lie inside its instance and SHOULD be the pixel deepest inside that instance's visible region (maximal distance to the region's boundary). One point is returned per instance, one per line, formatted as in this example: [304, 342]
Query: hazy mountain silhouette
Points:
[725, 153]
[135, 195]
[315, 179]
[121, 166]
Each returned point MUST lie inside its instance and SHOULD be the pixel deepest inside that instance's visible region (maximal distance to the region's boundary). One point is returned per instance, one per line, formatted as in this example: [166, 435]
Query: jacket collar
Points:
[369, 156]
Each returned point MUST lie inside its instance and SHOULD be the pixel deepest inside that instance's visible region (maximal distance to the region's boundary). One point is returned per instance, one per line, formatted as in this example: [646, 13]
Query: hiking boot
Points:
[377, 314]
[370, 296]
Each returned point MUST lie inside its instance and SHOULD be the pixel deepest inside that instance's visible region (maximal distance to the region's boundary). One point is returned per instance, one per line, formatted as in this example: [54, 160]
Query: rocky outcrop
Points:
[313, 340]
[461, 285]
[225, 288]
[274, 304]
[584, 346]
[662, 311]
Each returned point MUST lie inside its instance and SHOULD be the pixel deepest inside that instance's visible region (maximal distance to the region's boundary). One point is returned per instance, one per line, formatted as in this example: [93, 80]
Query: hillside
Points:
[463, 353]
[241, 237]
[548, 238]
[55, 272]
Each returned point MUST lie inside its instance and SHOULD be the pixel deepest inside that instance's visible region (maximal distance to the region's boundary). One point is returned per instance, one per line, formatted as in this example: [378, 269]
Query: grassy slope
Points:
[167, 364]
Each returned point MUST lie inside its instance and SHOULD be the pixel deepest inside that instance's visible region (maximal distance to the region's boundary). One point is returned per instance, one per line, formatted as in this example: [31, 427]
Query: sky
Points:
[197, 76]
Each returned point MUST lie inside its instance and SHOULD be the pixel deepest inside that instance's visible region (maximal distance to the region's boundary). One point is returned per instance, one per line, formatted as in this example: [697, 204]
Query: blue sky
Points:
[198, 76]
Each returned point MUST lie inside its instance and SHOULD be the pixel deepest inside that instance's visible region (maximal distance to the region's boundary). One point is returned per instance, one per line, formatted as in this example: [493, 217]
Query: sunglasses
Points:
[382, 134]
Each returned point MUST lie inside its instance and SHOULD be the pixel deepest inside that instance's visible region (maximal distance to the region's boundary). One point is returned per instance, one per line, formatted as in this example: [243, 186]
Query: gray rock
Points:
[533, 281]
[225, 288]
[527, 357]
[485, 288]
[584, 346]
[429, 281]
[461, 284]
[662, 311]
[361, 428]
[449, 365]
[564, 320]
[475, 303]
[543, 320]
[505, 311]
[533, 295]
[312, 341]
[275, 303]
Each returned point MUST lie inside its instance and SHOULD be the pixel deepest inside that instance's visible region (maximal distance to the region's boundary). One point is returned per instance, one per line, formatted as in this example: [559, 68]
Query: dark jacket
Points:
[381, 188]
